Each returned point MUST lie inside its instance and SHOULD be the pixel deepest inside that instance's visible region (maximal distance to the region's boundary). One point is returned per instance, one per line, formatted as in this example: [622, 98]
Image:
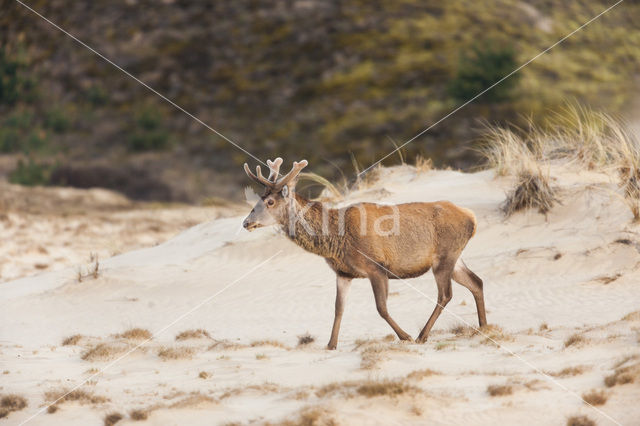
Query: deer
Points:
[374, 241]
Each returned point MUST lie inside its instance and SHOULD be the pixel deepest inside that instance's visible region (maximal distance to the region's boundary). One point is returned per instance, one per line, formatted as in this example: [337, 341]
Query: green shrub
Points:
[97, 96]
[14, 85]
[487, 63]
[57, 121]
[149, 135]
[30, 173]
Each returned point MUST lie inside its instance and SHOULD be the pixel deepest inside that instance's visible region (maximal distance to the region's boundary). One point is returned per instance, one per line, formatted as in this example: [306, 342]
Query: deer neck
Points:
[308, 224]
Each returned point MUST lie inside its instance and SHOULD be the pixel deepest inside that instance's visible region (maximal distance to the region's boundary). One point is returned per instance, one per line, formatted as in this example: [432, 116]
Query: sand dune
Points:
[547, 278]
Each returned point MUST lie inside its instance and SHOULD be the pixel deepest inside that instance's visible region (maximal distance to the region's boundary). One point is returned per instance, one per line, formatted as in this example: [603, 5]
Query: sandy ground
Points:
[47, 229]
[560, 291]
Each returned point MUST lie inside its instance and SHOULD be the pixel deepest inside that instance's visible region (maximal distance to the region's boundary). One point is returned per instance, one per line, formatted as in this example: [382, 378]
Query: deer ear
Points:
[285, 191]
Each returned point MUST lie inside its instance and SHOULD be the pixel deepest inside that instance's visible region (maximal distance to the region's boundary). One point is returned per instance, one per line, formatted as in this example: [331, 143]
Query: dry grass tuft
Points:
[78, 395]
[180, 352]
[204, 375]
[52, 409]
[595, 397]
[10, 403]
[104, 352]
[421, 374]
[580, 421]
[623, 375]
[632, 316]
[372, 389]
[462, 330]
[135, 334]
[193, 334]
[273, 343]
[192, 400]
[138, 415]
[305, 339]
[574, 339]
[72, 340]
[532, 190]
[570, 371]
[423, 164]
[112, 419]
[499, 390]
[374, 352]
[309, 416]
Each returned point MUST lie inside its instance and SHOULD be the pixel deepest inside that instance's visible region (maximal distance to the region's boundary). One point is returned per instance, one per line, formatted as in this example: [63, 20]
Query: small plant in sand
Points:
[104, 351]
[273, 343]
[135, 334]
[580, 421]
[623, 375]
[72, 340]
[193, 334]
[574, 340]
[11, 403]
[499, 390]
[112, 418]
[261, 356]
[532, 191]
[204, 375]
[305, 339]
[139, 415]
[421, 374]
[93, 270]
[595, 397]
[570, 371]
[180, 352]
[81, 396]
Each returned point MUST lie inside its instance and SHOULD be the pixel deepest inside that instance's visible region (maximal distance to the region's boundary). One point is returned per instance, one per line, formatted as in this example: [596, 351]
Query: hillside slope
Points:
[319, 79]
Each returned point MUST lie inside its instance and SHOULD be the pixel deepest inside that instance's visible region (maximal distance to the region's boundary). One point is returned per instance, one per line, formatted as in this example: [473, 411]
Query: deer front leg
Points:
[380, 286]
[342, 289]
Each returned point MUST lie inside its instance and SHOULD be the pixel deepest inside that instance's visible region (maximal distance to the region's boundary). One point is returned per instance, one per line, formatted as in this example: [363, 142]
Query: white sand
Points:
[526, 285]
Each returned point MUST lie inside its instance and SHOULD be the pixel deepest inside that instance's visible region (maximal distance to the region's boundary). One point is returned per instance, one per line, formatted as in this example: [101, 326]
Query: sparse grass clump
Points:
[532, 190]
[135, 334]
[421, 374]
[632, 316]
[580, 421]
[595, 397]
[574, 339]
[139, 415]
[623, 375]
[176, 353]
[104, 352]
[112, 419]
[193, 334]
[72, 340]
[570, 371]
[78, 395]
[305, 339]
[10, 403]
[499, 390]
[374, 352]
[309, 416]
[372, 389]
[204, 375]
[273, 343]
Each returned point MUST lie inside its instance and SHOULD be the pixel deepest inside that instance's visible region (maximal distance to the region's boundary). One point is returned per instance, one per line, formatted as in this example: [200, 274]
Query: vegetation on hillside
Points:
[325, 80]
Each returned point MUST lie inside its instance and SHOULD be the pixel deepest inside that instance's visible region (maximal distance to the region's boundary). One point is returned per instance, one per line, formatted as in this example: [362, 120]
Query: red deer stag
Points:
[374, 241]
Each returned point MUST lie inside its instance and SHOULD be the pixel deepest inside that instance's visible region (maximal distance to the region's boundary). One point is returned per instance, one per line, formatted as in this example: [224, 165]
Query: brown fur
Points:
[429, 235]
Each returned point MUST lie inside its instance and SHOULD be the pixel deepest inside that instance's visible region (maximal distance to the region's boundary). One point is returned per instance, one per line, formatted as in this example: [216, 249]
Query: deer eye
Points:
[270, 202]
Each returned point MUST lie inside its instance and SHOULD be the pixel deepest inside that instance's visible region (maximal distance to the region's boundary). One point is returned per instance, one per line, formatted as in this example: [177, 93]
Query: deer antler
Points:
[259, 178]
[292, 175]
[274, 167]
[273, 183]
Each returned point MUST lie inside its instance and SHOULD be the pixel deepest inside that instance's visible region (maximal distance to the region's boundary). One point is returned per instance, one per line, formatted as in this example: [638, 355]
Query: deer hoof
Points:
[332, 347]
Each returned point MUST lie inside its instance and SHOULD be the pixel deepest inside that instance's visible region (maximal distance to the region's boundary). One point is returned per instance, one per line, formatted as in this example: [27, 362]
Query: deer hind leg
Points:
[465, 277]
[442, 272]
[342, 289]
[380, 286]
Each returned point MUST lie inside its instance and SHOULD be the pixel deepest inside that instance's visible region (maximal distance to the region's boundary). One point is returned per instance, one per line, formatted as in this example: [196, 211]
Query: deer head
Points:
[278, 195]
